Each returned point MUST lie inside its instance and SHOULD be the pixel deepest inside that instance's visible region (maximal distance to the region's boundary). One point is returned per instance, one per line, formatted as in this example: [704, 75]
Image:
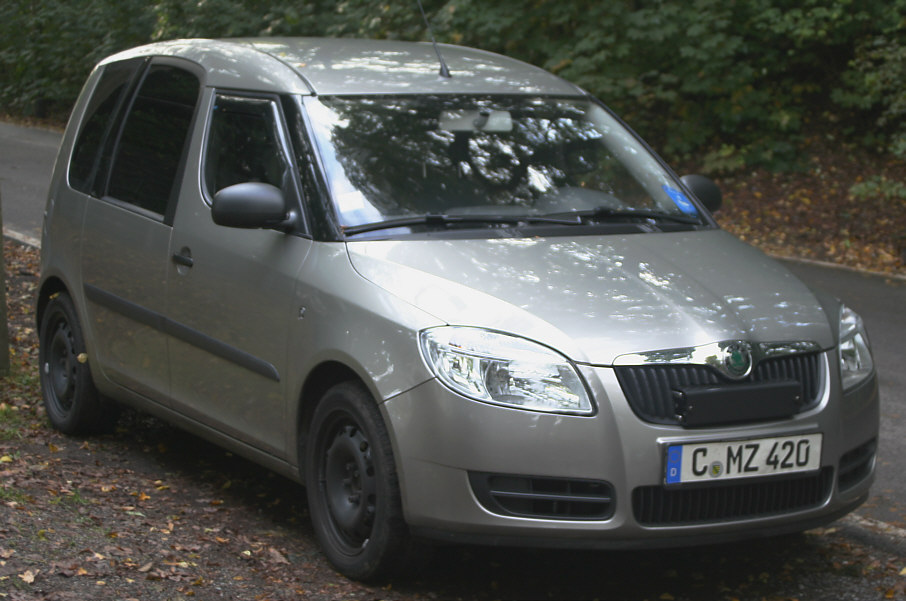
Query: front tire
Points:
[70, 398]
[353, 490]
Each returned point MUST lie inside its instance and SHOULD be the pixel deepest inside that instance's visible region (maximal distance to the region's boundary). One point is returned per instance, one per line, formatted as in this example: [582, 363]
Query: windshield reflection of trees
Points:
[393, 151]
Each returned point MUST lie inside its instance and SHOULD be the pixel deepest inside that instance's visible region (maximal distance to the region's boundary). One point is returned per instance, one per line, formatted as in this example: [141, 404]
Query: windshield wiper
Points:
[607, 213]
[573, 218]
[443, 221]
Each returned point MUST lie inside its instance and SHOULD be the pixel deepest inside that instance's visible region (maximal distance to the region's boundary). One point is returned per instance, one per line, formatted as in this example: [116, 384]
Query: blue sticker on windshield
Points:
[680, 200]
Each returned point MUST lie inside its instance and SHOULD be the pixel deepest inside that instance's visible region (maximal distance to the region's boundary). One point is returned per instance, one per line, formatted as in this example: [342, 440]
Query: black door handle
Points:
[183, 259]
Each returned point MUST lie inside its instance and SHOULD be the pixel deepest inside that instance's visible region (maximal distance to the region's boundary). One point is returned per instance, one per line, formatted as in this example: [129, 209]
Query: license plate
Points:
[699, 462]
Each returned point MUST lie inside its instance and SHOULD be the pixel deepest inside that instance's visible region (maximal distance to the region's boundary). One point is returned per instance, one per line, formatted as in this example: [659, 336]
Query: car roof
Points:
[344, 66]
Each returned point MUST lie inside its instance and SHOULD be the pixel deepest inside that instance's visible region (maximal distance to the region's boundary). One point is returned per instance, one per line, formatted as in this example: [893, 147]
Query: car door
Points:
[132, 178]
[232, 290]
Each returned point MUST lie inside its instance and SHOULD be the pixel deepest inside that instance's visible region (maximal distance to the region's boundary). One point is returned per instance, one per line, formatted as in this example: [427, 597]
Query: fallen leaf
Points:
[147, 567]
[6, 459]
[29, 576]
[276, 556]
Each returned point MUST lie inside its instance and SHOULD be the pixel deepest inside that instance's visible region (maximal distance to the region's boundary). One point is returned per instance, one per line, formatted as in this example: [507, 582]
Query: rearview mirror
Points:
[705, 190]
[250, 205]
[484, 120]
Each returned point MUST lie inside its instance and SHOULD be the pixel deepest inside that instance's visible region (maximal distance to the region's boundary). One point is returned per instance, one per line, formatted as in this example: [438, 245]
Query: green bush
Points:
[876, 87]
[48, 48]
[690, 75]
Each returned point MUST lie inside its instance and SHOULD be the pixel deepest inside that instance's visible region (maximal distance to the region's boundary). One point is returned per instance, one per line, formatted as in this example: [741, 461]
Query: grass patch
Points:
[13, 423]
[9, 494]
[23, 376]
[70, 498]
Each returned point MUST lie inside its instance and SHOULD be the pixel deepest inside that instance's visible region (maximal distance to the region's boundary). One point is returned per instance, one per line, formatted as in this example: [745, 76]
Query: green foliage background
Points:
[741, 82]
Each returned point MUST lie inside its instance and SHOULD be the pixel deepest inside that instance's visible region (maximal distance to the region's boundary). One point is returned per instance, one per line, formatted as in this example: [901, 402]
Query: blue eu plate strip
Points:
[674, 464]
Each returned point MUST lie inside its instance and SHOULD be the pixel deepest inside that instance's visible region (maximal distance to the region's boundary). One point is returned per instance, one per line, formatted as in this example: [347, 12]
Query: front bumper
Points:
[445, 443]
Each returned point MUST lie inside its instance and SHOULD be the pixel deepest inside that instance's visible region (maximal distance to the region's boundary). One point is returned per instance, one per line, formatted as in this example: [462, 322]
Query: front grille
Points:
[663, 506]
[855, 465]
[650, 389]
[547, 498]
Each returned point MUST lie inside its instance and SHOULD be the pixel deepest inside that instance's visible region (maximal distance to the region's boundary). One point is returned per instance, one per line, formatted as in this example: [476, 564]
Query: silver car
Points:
[473, 307]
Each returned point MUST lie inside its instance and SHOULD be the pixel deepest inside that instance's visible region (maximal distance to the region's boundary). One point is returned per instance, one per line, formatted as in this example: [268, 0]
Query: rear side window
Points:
[153, 139]
[105, 103]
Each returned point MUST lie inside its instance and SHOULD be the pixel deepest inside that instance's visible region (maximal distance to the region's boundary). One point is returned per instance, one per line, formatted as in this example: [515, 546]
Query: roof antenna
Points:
[444, 72]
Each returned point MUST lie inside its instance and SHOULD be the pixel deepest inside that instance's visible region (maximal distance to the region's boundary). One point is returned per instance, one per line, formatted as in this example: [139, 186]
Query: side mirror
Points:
[705, 190]
[250, 205]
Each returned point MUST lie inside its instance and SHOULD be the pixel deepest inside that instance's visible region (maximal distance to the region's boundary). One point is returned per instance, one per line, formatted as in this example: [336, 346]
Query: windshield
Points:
[392, 158]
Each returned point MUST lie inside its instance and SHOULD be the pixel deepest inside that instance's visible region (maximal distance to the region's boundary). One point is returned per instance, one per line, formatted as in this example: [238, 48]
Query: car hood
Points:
[595, 298]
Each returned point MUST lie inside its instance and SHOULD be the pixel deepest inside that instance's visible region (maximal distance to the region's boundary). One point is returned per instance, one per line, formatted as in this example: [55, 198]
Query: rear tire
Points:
[70, 398]
[353, 490]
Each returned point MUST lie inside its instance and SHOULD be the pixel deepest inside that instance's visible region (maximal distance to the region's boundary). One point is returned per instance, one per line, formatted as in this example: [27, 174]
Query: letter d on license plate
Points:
[697, 462]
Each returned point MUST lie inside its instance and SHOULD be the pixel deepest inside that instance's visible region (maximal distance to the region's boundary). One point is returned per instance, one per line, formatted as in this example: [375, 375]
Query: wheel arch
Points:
[321, 379]
[50, 287]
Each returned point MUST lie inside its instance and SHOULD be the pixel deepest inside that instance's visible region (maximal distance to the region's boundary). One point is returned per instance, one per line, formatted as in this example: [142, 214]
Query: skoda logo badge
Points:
[737, 359]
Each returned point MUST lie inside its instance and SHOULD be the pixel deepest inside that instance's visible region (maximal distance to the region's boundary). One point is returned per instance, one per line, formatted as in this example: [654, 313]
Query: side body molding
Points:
[182, 332]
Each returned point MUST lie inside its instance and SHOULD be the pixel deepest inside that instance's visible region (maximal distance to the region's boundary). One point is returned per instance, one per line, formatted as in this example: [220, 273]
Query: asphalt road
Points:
[882, 304]
[26, 162]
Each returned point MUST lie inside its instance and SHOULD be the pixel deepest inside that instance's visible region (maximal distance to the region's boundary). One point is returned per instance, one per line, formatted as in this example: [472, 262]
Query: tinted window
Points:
[99, 116]
[153, 139]
[243, 145]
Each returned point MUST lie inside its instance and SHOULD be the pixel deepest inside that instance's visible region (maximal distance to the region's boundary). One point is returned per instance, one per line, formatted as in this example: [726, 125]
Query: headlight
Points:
[855, 353]
[504, 370]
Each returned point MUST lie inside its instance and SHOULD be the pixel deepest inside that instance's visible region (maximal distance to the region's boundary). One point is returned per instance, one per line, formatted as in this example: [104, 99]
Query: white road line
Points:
[23, 238]
[828, 264]
[875, 525]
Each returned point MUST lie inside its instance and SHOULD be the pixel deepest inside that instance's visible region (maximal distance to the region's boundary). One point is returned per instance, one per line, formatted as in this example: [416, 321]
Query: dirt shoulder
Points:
[840, 206]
